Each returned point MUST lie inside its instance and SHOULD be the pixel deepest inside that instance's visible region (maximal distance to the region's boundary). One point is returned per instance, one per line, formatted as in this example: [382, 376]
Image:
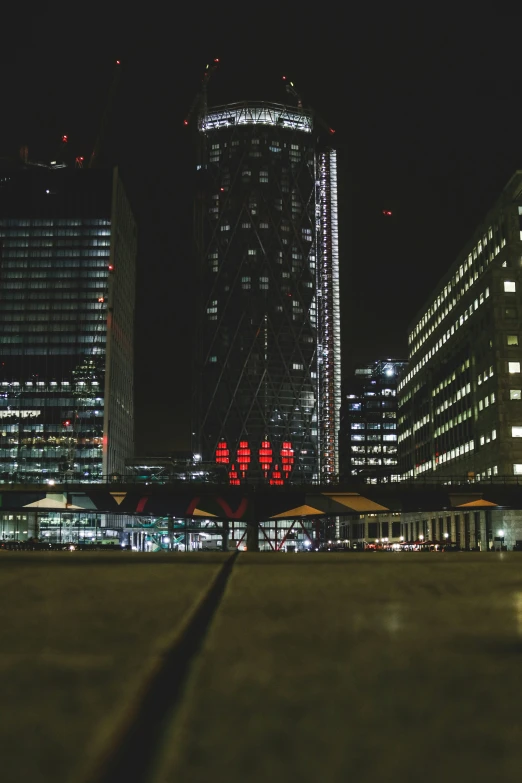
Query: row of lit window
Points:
[454, 398]
[20, 222]
[489, 436]
[446, 336]
[488, 400]
[371, 425]
[59, 338]
[386, 437]
[448, 425]
[56, 285]
[458, 451]
[490, 472]
[446, 382]
[52, 274]
[459, 275]
[421, 422]
[373, 461]
[29, 308]
[374, 448]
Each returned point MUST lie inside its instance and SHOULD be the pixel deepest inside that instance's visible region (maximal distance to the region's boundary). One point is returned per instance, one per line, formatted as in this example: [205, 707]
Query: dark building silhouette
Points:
[268, 362]
[67, 290]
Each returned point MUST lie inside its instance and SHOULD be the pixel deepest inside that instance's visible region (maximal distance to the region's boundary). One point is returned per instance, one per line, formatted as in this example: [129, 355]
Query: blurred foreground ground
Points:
[311, 667]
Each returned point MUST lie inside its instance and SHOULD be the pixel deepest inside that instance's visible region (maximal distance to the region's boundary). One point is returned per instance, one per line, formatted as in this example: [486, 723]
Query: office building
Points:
[268, 361]
[460, 403]
[368, 435]
[67, 289]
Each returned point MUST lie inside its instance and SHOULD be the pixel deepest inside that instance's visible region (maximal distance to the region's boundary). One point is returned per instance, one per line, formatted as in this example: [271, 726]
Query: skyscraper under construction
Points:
[268, 363]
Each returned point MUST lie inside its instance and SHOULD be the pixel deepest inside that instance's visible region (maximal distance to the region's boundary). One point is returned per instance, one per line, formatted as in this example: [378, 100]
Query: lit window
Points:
[516, 432]
[515, 394]
[517, 469]
[510, 286]
[213, 359]
[512, 339]
[296, 366]
[513, 367]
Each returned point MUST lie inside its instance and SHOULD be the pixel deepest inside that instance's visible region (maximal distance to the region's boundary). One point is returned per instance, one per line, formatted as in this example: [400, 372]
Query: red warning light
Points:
[387, 212]
[65, 139]
[185, 122]
[284, 78]
[118, 62]
[216, 59]
[222, 190]
[331, 130]
[66, 423]
[101, 299]
[111, 267]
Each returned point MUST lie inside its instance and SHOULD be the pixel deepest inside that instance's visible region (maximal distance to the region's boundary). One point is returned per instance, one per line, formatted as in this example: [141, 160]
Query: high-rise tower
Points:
[67, 264]
[268, 362]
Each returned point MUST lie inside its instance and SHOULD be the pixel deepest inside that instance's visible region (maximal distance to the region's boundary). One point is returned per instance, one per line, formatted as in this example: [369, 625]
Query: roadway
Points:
[244, 668]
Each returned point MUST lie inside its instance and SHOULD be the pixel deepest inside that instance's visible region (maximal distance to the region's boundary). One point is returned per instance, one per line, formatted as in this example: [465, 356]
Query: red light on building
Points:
[265, 456]
[185, 122]
[243, 456]
[222, 453]
[287, 458]
[65, 139]
[387, 212]
[101, 299]
[111, 267]
[233, 477]
[66, 423]
[277, 479]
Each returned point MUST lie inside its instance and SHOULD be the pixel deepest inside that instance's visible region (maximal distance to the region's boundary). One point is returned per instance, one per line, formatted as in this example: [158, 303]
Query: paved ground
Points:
[313, 667]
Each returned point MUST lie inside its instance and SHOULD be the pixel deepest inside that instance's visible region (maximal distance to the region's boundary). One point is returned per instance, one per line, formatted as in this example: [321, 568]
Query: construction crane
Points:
[199, 104]
[291, 90]
[93, 160]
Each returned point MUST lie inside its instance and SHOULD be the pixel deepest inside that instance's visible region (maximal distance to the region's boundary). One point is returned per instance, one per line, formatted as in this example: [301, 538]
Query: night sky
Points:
[427, 113]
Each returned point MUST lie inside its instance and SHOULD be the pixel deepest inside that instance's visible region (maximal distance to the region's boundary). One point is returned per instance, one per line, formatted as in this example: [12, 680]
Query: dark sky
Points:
[427, 112]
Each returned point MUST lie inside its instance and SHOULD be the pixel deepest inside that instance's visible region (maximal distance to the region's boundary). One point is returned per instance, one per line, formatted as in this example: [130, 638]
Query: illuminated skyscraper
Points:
[268, 364]
[67, 264]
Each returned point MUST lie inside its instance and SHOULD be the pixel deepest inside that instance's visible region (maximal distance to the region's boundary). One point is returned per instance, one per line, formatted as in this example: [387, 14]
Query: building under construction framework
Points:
[268, 360]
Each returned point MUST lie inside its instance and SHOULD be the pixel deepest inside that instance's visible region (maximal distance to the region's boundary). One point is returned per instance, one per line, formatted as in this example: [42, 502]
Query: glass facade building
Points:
[67, 288]
[268, 362]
